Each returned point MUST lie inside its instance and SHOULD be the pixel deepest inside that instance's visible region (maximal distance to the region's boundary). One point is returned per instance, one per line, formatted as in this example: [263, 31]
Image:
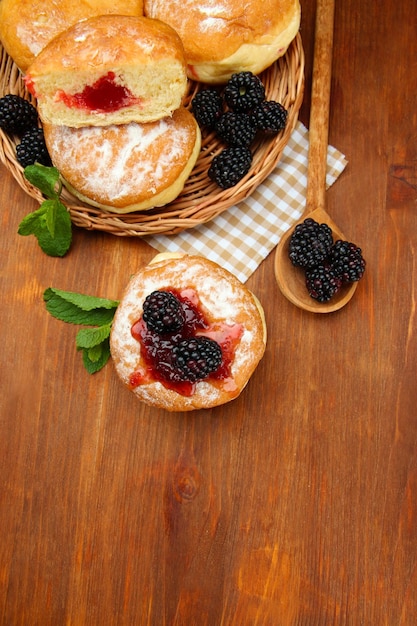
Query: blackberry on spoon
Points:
[347, 261]
[310, 243]
[322, 282]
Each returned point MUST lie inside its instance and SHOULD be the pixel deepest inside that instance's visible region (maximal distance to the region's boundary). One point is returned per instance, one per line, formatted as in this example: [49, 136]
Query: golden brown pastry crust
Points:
[26, 26]
[225, 36]
[141, 57]
[225, 299]
[128, 167]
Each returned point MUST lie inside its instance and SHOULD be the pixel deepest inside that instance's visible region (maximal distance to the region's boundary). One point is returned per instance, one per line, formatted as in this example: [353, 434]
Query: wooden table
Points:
[296, 504]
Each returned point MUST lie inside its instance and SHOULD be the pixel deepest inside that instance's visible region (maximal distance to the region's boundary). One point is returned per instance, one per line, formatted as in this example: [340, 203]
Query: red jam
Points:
[30, 85]
[193, 71]
[157, 349]
[105, 95]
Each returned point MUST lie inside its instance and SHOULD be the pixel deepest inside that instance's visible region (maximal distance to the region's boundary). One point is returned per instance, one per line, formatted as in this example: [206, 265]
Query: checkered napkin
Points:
[241, 237]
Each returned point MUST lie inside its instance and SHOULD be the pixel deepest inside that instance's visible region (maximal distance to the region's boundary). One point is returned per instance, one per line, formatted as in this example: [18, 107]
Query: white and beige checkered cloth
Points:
[241, 237]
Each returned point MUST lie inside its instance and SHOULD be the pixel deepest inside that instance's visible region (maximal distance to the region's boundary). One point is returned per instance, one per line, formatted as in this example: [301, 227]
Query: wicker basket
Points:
[201, 200]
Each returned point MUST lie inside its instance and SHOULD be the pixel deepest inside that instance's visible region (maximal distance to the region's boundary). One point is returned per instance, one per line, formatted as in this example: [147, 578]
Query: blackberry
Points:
[235, 129]
[207, 107]
[163, 312]
[269, 116]
[197, 357]
[347, 261]
[230, 166]
[32, 148]
[322, 282]
[310, 243]
[17, 115]
[243, 92]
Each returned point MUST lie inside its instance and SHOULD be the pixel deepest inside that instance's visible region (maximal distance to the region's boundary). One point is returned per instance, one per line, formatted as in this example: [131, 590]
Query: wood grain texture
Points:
[320, 104]
[295, 505]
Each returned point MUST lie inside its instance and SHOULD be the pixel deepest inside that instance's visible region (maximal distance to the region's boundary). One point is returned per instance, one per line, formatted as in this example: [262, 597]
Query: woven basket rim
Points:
[201, 200]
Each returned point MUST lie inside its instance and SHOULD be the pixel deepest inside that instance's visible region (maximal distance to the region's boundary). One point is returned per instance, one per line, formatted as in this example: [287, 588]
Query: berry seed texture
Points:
[237, 114]
[327, 264]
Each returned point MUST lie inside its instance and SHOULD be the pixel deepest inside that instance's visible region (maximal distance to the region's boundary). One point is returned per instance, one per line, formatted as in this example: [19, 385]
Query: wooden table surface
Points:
[296, 504]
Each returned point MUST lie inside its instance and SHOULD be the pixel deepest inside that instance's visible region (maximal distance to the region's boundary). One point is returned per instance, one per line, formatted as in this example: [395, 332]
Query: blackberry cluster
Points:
[207, 107]
[176, 353]
[243, 92]
[322, 282]
[328, 265]
[19, 117]
[32, 148]
[269, 117]
[230, 166]
[197, 357]
[237, 114]
[163, 312]
[310, 243]
[346, 258]
[235, 129]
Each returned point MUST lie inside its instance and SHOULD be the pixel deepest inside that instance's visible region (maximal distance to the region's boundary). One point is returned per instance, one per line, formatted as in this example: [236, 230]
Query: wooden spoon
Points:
[291, 279]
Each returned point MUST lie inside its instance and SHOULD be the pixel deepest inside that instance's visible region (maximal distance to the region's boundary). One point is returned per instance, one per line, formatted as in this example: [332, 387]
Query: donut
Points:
[109, 69]
[187, 334]
[26, 26]
[126, 167]
[223, 37]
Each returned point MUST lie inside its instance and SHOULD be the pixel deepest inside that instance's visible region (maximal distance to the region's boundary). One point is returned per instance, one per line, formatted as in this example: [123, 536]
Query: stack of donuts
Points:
[110, 80]
[109, 93]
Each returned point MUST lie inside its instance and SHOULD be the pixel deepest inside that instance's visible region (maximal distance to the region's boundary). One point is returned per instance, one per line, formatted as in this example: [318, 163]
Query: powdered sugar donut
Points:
[27, 26]
[109, 69]
[127, 167]
[165, 368]
[222, 37]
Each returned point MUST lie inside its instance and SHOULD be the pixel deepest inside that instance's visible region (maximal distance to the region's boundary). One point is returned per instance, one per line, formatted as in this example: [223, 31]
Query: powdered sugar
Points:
[212, 14]
[119, 162]
[34, 38]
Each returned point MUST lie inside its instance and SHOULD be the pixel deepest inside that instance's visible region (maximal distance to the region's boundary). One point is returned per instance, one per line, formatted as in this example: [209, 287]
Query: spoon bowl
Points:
[291, 279]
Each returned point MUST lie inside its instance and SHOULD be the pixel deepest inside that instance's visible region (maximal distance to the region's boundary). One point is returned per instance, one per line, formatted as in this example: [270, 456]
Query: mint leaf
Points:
[51, 223]
[45, 178]
[32, 223]
[51, 208]
[91, 337]
[95, 358]
[55, 236]
[76, 308]
[82, 301]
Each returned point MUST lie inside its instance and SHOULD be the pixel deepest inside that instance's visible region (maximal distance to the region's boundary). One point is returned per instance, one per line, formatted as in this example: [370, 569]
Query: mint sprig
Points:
[51, 222]
[81, 309]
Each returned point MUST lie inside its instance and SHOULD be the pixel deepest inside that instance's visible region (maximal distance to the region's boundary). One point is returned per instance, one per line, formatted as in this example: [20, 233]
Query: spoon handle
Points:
[320, 105]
